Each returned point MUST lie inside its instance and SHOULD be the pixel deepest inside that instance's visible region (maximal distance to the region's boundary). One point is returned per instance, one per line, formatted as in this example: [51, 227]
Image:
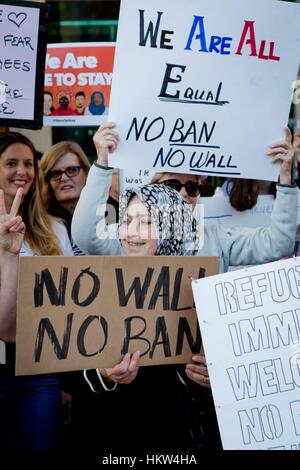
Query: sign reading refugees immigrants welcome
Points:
[250, 325]
[22, 60]
[85, 312]
[206, 94]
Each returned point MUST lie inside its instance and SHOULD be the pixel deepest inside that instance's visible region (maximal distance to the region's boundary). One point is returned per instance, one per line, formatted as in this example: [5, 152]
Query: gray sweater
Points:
[235, 246]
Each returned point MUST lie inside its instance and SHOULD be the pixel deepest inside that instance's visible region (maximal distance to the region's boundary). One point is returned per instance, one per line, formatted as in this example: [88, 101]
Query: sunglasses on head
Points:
[70, 171]
[192, 188]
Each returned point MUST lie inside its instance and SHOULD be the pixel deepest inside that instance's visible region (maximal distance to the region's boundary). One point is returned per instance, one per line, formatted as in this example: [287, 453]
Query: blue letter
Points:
[200, 36]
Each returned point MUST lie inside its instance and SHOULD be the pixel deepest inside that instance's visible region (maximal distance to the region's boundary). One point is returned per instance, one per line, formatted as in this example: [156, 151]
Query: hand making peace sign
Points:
[12, 228]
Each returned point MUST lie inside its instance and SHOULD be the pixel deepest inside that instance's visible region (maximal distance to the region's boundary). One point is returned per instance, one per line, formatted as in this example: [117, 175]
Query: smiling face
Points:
[68, 189]
[16, 170]
[138, 231]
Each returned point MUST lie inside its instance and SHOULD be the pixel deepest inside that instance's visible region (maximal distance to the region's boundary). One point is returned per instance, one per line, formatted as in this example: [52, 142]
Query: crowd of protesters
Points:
[60, 209]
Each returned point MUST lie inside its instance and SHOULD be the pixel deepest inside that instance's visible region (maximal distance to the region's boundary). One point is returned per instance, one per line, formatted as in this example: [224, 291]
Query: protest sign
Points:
[85, 312]
[137, 177]
[22, 59]
[207, 94]
[250, 326]
[78, 80]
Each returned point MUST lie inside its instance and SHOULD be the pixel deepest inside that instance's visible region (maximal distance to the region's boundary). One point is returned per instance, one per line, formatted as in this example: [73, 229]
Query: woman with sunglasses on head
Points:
[29, 405]
[63, 168]
[189, 186]
[235, 246]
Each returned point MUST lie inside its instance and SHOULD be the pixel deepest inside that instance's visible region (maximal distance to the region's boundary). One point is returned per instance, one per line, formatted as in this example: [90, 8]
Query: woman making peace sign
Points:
[29, 406]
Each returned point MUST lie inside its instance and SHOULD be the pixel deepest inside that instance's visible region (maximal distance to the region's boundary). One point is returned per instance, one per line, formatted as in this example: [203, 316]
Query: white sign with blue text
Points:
[250, 327]
[197, 91]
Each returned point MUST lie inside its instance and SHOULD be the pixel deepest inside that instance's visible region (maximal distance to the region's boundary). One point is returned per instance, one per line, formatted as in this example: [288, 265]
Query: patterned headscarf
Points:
[175, 225]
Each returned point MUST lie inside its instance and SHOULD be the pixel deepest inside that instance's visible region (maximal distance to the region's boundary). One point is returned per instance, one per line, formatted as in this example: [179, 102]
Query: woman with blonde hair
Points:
[63, 172]
[29, 405]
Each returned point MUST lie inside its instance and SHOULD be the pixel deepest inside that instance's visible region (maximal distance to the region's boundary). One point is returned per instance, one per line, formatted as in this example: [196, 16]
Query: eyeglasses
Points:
[70, 171]
[192, 188]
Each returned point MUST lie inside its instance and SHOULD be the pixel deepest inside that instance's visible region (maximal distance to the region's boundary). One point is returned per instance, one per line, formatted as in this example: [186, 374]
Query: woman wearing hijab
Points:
[236, 246]
[166, 212]
[153, 408]
[96, 106]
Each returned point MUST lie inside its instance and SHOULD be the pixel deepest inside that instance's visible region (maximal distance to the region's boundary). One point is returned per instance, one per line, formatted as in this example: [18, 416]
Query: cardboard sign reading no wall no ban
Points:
[84, 312]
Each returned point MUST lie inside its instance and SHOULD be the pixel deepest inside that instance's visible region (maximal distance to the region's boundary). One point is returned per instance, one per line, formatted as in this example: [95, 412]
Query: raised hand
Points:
[284, 153]
[197, 371]
[124, 372]
[12, 228]
[106, 141]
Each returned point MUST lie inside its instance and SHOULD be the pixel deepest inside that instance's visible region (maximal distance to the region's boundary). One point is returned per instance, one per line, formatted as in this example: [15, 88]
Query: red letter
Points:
[273, 57]
[262, 50]
[248, 25]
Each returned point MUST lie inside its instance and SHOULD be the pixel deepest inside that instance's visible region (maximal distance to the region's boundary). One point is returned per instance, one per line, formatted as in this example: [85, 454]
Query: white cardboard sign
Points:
[196, 91]
[250, 327]
[21, 47]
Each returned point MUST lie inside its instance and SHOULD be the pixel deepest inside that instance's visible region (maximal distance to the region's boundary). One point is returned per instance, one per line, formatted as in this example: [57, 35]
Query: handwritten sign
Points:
[249, 321]
[196, 95]
[78, 80]
[137, 177]
[22, 57]
[85, 312]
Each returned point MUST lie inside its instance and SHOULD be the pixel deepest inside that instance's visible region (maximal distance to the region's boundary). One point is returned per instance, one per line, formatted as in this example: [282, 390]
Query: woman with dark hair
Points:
[29, 405]
[243, 193]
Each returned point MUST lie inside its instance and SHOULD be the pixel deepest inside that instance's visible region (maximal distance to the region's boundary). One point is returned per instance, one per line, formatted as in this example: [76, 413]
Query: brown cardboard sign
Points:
[85, 312]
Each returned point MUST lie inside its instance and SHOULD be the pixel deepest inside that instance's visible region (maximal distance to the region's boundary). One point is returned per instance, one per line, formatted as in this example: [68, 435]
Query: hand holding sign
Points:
[106, 141]
[124, 372]
[283, 152]
[12, 228]
[197, 371]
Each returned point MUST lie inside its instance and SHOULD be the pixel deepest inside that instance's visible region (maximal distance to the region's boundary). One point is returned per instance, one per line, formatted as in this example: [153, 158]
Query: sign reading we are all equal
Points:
[196, 95]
